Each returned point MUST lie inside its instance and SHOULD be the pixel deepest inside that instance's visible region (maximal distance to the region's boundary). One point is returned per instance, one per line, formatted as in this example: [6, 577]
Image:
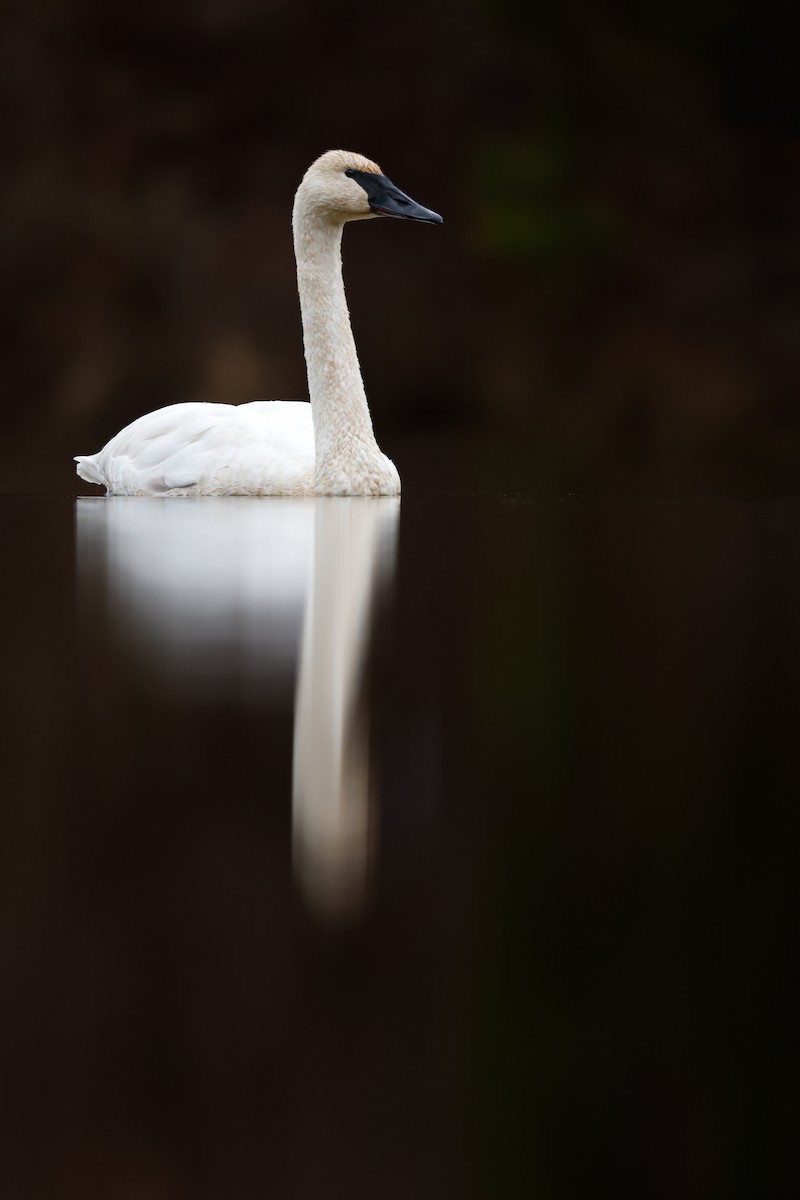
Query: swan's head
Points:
[343, 186]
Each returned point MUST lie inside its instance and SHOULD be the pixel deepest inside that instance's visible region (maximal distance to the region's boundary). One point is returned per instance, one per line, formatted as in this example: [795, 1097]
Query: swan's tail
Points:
[87, 469]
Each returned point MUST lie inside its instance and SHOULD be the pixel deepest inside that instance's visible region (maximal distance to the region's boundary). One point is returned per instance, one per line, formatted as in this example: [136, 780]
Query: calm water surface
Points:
[357, 849]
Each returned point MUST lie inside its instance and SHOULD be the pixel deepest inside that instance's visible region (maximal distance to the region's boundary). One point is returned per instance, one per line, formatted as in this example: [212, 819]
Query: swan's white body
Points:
[261, 449]
[279, 447]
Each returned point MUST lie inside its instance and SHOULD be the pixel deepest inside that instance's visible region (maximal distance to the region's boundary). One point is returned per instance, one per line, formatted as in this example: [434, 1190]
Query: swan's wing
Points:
[263, 448]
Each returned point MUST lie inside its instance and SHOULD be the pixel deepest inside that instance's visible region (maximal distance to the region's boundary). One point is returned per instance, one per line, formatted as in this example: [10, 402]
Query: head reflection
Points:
[219, 597]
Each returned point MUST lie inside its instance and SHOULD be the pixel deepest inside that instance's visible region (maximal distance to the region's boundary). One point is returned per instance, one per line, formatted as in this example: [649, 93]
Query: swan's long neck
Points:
[342, 425]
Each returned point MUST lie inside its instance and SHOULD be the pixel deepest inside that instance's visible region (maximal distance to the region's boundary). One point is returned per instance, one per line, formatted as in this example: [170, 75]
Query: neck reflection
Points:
[219, 598]
[332, 817]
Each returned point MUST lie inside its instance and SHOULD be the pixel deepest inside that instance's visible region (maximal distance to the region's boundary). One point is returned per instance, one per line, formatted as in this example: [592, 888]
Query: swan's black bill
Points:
[387, 200]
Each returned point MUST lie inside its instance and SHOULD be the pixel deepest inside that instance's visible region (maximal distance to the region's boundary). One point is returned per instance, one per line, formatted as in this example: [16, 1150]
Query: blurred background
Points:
[578, 704]
[614, 287]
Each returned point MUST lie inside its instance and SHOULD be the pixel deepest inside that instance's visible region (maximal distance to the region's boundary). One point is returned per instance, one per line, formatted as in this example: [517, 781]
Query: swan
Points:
[280, 447]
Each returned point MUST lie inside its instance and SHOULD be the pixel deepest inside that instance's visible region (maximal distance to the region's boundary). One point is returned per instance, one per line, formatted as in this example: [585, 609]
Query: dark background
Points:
[614, 287]
[574, 975]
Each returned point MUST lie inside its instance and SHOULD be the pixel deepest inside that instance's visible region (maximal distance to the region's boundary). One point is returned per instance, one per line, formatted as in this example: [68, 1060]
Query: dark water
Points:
[437, 851]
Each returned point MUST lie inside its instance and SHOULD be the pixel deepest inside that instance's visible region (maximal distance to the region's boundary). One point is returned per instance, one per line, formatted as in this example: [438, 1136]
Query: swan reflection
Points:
[220, 596]
[331, 813]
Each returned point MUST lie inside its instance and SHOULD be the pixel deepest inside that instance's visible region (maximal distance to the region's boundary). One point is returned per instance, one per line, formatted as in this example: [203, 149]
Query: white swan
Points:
[280, 447]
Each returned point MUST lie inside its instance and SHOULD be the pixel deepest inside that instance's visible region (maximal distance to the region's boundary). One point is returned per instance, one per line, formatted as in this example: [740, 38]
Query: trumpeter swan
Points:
[280, 447]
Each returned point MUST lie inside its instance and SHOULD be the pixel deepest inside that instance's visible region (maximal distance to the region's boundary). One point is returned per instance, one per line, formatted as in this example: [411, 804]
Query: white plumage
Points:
[265, 448]
[280, 447]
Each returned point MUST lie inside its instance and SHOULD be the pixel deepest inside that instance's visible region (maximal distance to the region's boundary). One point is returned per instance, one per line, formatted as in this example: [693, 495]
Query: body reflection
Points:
[214, 596]
[209, 592]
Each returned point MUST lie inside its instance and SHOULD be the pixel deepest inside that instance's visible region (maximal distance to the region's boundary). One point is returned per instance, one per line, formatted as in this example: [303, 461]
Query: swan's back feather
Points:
[265, 448]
